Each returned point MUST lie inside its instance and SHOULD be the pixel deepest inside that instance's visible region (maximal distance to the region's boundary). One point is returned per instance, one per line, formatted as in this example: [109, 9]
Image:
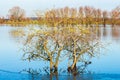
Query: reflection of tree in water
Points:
[18, 24]
[17, 33]
[33, 74]
[38, 75]
[109, 32]
[99, 32]
[104, 32]
[115, 32]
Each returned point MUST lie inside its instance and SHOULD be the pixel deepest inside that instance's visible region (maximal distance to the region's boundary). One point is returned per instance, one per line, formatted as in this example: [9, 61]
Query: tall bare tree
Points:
[104, 17]
[81, 15]
[115, 15]
[97, 15]
[88, 11]
[16, 13]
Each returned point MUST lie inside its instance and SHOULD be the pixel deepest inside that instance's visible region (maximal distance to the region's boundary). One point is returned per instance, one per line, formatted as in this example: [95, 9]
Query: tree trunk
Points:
[54, 72]
[51, 66]
[74, 69]
[104, 22]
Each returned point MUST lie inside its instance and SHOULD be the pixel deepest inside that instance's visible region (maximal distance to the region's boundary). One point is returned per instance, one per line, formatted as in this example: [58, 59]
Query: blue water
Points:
[19, 76]
[105, 67]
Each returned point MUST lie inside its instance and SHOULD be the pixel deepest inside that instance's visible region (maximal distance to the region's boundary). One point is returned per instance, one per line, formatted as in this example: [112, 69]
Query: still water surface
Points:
[106, 66]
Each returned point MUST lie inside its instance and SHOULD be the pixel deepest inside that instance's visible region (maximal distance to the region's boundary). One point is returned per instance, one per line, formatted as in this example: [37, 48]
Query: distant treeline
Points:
[86, 15]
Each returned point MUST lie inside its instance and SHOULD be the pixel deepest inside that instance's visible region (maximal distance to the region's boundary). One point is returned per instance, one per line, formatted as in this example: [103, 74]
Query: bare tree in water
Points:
[50, 43]
[46, 45]
[79, 43]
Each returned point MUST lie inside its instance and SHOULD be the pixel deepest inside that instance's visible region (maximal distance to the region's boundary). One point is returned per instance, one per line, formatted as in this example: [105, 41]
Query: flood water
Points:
[106, 66]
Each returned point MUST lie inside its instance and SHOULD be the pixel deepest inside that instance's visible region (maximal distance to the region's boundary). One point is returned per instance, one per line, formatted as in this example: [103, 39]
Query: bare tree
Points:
[81, 15]
[88, 11]
[104, 17]
[97, 13]
[46, 45]
[115, 15]
[79, 43]
[16, 13]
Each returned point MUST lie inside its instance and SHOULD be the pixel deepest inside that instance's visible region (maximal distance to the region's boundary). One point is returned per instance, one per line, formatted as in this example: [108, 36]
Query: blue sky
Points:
[31, 6]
